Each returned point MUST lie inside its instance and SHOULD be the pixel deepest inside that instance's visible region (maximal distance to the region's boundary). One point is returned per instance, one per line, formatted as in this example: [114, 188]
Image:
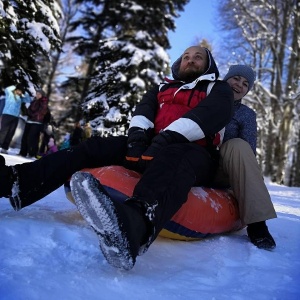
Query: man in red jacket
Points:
[173, 140]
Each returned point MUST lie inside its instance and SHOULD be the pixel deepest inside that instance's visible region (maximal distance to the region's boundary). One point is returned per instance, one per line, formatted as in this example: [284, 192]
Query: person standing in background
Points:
[46, 132]
[87, 131]
[77, 135]
[15, 95]
[66, 142]
[34, 125]
[51, 147]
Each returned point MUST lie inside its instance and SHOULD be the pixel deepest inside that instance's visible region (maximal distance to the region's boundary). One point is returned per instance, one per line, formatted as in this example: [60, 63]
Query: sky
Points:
[48, 252]
[196, 21]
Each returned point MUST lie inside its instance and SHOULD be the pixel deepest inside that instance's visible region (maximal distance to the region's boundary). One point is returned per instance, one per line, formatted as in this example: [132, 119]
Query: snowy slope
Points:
[48, 252]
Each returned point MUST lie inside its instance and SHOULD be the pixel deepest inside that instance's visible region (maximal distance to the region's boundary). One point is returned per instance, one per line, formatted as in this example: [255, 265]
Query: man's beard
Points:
[189, 75]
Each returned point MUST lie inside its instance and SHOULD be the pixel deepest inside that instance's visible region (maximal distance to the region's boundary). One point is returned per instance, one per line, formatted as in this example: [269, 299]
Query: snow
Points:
[48, 252]
[35, 29]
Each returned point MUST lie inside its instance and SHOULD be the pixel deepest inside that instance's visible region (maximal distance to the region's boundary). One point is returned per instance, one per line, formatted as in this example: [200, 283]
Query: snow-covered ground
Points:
[48, 252]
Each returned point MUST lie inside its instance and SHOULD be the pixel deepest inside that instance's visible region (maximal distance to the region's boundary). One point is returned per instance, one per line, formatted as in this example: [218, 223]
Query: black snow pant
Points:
[30, 139]
[164, 185]
[39, 178]
[8, 127]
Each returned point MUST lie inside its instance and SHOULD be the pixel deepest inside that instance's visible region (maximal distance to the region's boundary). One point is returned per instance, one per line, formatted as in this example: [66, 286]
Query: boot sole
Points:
[97, 208]
[265, 244]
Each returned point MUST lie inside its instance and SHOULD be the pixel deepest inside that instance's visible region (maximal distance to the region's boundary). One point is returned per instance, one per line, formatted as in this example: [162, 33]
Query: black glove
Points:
[137, 143]
[163, 139]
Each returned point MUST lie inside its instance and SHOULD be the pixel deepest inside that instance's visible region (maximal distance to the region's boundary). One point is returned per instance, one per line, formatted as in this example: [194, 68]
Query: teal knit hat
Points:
[244, 71]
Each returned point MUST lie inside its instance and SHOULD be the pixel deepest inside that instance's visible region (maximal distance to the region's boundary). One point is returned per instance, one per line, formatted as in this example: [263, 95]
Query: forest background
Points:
[95, 59]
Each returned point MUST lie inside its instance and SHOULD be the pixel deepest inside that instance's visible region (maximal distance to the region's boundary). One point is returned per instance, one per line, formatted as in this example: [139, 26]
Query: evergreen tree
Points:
[27, 29]
[125, 52]
[63, 99]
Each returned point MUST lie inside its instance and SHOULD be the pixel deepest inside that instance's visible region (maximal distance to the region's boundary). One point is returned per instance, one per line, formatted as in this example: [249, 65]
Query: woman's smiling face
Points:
[239, 85]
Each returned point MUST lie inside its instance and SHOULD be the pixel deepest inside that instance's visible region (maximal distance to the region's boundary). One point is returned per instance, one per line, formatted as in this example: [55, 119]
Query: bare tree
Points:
[55, 74]
[265, 35]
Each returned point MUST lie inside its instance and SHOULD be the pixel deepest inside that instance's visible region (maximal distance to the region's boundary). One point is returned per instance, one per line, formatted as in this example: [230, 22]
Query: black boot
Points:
[121, 227]
[7, 179]
[260, 236]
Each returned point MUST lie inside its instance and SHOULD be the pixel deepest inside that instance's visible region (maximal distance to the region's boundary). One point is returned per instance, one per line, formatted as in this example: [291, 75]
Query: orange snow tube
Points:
[206, 212]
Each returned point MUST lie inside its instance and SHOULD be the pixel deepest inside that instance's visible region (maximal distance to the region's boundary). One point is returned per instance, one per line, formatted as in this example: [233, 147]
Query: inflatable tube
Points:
[206, 212]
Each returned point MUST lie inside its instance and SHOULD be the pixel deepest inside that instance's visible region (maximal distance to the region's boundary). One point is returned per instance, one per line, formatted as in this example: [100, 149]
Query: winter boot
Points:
[260, 236]
[121, 227]
[7, 179]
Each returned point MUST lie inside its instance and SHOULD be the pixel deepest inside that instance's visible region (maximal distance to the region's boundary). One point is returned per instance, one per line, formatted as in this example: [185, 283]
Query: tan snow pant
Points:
[239, 169]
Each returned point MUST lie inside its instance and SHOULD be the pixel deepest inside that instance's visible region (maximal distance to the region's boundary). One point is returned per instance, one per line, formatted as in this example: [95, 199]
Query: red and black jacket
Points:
[185, 108]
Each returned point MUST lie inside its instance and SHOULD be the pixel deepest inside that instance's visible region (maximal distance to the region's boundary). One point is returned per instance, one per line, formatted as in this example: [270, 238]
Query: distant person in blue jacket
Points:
[15, 95]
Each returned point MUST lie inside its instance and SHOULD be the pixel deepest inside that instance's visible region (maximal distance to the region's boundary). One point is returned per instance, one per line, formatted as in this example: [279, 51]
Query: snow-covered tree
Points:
[28, 29]
[123, 43]
[265, 35]
[64, 102]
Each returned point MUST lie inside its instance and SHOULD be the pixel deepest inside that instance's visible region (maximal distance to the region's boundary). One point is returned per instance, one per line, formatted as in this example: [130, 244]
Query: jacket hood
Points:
[212, 67]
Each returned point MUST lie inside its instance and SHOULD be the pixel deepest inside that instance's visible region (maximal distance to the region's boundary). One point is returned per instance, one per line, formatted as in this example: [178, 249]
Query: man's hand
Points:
[160, 141]
[137, 143]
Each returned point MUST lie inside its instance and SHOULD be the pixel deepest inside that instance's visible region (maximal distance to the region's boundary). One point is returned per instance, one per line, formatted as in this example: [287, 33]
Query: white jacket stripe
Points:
[187, 128]
[141, 121]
